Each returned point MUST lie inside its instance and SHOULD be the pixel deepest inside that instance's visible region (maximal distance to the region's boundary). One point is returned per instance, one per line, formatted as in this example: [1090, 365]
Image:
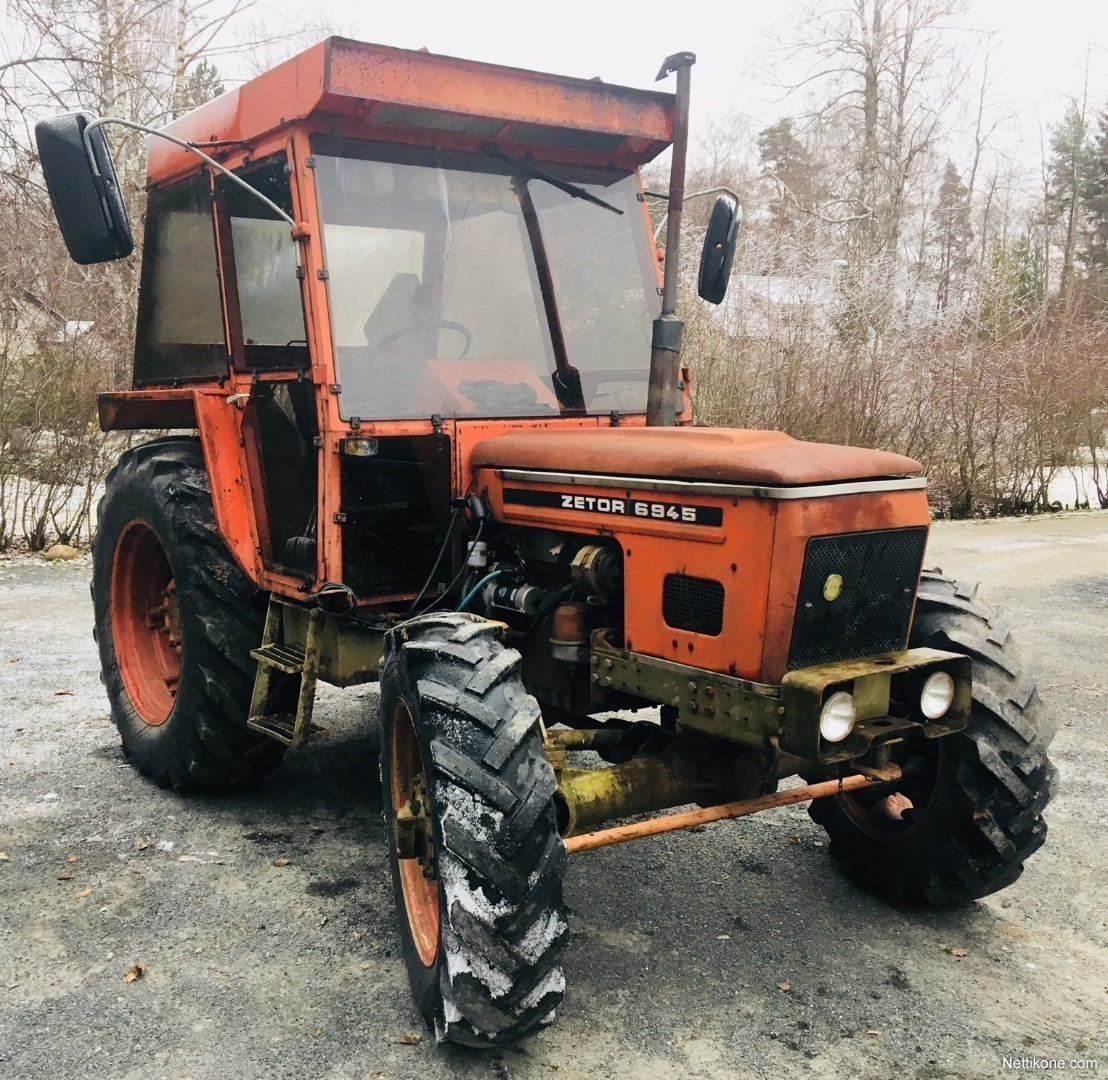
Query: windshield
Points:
[436, 266]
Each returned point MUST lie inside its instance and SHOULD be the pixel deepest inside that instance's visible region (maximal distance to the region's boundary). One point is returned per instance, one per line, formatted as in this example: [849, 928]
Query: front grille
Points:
[873, 609]
[693, 603]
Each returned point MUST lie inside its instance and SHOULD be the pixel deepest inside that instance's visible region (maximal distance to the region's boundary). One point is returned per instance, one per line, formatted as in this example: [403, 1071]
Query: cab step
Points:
[282, 727]
[286, 658]
[277, 656]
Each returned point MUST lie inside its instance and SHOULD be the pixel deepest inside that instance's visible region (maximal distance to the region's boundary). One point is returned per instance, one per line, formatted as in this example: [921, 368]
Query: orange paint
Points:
[368, 84]
[141, 587]
[756, 553]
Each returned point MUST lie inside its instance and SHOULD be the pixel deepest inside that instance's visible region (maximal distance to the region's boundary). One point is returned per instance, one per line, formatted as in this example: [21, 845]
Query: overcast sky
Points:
[1039, 50]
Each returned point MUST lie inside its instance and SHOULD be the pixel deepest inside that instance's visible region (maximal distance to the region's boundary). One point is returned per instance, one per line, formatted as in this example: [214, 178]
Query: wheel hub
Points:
[888, 811]
[414, 835]
[146, 622]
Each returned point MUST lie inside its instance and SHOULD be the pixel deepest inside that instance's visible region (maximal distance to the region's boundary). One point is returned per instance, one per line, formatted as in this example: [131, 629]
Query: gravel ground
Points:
[679, 943]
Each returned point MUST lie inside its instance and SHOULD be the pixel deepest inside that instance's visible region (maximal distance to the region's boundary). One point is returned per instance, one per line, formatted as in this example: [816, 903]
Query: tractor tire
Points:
[477, 878]
[175, 620]
[977, 804]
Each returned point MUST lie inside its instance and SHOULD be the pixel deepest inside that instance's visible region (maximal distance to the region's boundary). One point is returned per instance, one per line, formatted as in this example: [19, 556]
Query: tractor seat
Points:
[727, 455]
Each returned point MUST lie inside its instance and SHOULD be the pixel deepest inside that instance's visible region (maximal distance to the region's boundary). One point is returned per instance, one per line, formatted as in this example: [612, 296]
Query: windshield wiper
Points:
[536, 173]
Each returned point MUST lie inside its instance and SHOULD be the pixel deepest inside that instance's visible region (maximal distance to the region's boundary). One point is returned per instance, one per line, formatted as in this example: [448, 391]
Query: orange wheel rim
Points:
[146, 622]
[415, 846]
[918, 786]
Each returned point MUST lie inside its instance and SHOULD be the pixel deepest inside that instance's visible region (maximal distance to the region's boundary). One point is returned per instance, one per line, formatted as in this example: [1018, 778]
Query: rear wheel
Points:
[175, 622]
[968, 812]
[475, 854]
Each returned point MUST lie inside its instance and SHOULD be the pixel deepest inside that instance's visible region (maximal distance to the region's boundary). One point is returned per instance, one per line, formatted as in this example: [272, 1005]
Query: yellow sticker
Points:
[832, 587]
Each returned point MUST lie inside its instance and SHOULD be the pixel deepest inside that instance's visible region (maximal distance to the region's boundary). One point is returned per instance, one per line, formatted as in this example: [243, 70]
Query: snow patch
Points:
[542, 934]
[462, 960]
[455, 883]
[554, 983]
[474, 815]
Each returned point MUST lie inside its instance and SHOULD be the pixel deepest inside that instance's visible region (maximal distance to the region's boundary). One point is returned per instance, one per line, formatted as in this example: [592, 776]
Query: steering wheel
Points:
[439, 324]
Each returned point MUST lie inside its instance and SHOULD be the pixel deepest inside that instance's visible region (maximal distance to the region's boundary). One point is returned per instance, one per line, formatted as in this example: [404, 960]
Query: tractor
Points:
[419, 355]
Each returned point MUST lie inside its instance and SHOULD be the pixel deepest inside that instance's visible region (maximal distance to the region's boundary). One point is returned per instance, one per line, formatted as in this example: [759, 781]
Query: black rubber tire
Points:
[497, 975]
[991, 782]
[204, 743]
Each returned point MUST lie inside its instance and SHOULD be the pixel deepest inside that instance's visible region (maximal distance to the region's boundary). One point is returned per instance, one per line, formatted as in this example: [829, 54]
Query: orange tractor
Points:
[412, 310]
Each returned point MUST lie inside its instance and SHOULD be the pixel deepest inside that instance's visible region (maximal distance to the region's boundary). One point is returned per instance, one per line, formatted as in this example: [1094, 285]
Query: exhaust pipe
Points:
[665, 345]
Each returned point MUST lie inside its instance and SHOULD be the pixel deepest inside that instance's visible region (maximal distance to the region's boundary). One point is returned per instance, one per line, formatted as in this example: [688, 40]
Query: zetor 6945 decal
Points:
[626, 507]
[411, 311]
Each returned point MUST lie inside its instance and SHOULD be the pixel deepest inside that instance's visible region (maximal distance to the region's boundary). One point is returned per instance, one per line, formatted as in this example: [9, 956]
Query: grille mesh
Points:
[693, 603]
[872, 613]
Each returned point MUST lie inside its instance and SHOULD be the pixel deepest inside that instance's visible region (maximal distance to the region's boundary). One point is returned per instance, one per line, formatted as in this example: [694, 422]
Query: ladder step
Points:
[281, 726]
[286, 658]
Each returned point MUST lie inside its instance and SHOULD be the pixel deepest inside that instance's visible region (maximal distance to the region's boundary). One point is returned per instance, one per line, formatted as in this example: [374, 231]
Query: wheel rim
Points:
[146, 622]
[415, 844]
[919, 783]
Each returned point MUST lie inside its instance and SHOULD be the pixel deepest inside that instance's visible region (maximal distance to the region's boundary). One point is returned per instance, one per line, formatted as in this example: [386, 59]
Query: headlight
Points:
[837, 718]
[937, 695]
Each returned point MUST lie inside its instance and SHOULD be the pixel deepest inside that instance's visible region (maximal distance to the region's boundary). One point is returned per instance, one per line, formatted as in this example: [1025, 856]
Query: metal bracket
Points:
[672, 63]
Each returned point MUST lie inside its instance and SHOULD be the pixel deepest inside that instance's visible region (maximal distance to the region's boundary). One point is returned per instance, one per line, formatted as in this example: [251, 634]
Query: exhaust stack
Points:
[665, 345]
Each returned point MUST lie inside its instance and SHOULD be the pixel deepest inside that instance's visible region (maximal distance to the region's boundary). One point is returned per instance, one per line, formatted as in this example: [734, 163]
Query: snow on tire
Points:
[482, 923]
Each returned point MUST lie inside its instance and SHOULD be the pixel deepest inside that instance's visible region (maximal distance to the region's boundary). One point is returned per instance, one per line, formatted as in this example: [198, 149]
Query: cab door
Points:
[269, 342]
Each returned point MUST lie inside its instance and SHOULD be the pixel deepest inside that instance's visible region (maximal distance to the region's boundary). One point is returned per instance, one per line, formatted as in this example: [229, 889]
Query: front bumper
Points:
[885, 688]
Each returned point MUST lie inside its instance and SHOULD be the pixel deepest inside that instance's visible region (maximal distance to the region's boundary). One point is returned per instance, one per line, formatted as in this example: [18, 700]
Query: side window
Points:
[179, 332]
[269, 300]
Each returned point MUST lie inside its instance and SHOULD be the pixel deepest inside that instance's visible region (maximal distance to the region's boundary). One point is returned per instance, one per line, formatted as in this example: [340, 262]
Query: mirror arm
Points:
[688, 198]
[103, 121]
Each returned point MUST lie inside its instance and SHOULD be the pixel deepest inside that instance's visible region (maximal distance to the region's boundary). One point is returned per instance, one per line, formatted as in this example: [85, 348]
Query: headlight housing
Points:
[937, 695]
[837, 717]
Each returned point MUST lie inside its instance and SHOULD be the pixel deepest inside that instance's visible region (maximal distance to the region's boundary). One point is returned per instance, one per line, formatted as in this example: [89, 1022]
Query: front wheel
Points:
[968, 812]
[474, 849]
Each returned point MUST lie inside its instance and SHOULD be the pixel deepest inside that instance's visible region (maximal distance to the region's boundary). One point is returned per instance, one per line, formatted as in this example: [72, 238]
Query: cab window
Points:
[179, 333]
[264, 267]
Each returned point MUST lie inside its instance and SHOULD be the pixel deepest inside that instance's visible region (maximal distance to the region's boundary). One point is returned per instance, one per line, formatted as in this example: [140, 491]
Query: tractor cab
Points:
[362, 251]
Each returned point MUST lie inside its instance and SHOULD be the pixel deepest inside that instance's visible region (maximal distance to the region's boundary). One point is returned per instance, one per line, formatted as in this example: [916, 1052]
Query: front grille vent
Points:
[693, 603]
[857, 592]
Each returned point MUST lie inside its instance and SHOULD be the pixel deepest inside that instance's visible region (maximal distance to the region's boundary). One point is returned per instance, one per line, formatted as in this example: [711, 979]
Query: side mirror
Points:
[719, 249]
[84, 189]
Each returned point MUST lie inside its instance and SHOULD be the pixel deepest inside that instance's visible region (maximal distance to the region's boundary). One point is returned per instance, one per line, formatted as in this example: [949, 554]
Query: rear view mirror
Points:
[719, 249]
[84, 189]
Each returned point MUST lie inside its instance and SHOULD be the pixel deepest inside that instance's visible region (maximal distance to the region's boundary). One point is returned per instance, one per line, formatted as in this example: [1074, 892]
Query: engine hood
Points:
[723, 455]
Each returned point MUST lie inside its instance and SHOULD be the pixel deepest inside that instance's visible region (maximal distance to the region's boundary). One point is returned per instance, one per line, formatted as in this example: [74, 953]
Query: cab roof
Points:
[392, 94]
